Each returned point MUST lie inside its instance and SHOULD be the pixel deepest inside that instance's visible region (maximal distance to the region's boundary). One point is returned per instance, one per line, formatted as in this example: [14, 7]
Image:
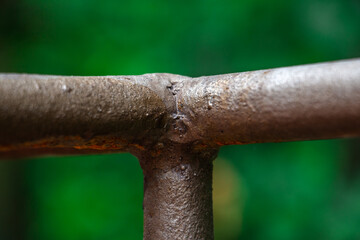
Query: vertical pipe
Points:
[178, 193]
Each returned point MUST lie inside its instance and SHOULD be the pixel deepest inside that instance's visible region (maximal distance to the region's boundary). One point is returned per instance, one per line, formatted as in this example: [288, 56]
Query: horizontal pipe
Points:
[317, 101]
[57, 114]
[60, 115]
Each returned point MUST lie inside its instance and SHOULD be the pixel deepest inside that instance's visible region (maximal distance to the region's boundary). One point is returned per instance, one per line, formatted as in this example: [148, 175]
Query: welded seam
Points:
[179, 127]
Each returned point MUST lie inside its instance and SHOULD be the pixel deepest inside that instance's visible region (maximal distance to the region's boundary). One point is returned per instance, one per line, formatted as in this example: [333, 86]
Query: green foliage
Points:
[87, 197]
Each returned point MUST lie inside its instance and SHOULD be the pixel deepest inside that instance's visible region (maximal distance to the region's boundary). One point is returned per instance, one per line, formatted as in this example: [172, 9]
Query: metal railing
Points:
[175, 125]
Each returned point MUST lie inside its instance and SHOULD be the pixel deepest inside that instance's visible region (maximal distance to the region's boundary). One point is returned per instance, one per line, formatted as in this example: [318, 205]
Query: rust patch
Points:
[76, 142]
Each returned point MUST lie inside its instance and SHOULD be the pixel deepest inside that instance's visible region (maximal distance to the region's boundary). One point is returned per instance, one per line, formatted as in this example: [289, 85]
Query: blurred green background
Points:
[299, 190]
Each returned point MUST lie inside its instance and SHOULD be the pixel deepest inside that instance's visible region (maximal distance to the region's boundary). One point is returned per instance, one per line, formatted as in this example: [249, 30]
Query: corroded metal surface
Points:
[49, 114]
[175, 125]
[177, 192]
[116, 113]
[307, 102]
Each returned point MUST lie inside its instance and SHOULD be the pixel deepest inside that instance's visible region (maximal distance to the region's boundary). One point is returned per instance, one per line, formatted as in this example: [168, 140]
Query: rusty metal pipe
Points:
[177, 192]
[42, 114]
[175, 124]
[316, 101]
[115, 113]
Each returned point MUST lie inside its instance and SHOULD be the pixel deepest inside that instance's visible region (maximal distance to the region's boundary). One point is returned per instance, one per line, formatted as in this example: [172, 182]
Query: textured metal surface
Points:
[56, 114]
[307, 102]
[177, 192]
[175, 124]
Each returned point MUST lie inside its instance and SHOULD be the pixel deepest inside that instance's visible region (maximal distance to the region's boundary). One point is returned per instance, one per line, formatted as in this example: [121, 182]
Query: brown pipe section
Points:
[42, 114]
[175, 124]
[177, 192]
[57, 114]
[307, 102]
